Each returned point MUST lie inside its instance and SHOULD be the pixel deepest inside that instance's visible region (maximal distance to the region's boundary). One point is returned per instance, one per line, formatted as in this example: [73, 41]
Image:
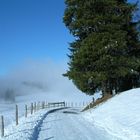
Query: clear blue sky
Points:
[32, 29]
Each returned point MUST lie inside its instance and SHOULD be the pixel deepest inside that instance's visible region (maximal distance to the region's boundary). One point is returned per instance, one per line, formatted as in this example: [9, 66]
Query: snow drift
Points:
[119, 116]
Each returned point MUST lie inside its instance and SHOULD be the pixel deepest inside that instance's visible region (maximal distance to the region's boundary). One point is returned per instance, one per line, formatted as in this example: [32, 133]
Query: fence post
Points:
[71, 104]
[38, 105]
[31, 108]
[35, 107]
[16, 114]
[2, 126]
[26, 109]
[42, 105]
[46, 104]
[79, 104]
[83, 104]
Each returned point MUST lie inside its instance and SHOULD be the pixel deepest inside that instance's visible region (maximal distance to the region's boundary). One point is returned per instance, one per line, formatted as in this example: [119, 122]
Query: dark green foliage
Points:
[106, 52]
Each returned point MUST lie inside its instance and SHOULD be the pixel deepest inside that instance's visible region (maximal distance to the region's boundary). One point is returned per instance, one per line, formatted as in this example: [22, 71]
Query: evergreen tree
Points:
[105, 53]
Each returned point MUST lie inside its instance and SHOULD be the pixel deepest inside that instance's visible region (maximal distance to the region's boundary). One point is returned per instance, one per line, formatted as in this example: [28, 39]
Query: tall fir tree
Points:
[106, 52]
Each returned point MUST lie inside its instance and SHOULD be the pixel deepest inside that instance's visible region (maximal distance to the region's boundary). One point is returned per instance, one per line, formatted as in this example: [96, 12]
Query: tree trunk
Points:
[107, 88]
[104, 89]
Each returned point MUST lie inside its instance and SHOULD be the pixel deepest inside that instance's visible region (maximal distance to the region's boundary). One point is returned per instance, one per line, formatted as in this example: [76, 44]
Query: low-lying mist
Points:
[36, 77]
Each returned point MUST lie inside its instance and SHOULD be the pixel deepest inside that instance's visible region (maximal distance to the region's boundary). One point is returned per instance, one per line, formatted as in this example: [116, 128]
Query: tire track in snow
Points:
[37, 128]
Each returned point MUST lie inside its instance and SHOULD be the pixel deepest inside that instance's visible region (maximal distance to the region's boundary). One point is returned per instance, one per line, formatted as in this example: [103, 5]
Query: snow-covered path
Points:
[58, 124]
[67, 124]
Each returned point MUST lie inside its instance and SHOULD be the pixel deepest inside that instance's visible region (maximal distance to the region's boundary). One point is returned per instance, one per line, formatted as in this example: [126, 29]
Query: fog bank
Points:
[36, 77]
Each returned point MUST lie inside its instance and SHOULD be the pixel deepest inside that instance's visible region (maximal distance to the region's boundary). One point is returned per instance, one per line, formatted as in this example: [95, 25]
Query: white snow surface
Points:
[116, 119]
[55, 124]
[119, 116]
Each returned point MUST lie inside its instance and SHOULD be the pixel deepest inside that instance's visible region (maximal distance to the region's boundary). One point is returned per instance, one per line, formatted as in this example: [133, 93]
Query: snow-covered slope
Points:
[119, 116]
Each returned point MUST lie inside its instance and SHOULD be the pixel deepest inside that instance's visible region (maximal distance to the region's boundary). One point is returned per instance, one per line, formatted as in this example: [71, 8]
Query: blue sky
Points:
[32, 29]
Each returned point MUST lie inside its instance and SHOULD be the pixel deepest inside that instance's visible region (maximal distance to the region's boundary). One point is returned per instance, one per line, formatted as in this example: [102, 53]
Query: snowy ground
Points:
[69, 125]
[119, 116]
[117, 119]
[56, 124]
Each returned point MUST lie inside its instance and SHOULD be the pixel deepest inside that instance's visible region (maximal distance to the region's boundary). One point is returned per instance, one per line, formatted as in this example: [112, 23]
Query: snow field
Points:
[119, 116]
